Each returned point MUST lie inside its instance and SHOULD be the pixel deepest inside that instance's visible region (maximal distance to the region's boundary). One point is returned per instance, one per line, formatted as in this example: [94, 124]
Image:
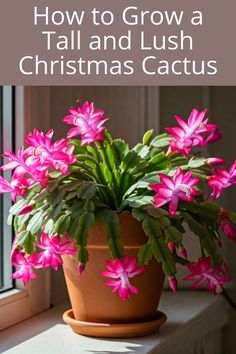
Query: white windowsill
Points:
[12, 295]
[191, 316]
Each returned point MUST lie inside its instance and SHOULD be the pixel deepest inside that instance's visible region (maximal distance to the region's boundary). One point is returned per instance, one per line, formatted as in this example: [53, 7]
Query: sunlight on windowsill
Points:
[191, 317]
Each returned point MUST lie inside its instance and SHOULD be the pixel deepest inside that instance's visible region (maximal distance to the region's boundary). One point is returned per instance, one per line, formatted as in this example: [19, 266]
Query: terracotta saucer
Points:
[107, 330]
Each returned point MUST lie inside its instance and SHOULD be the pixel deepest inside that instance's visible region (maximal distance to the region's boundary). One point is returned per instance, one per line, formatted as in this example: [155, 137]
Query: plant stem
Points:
[102, 151]
[82, 158]
[94, 149]
[105, 158]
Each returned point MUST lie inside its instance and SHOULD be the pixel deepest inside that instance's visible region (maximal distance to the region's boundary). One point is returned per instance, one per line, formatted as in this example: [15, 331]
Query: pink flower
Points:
[88, 123]
[15, 188]
[202, 272]
[215, 161]
[173, 283]
[227, 227]
[122, 270]
[183, 253]
[31, 175]
[26, 265]
[26, 172]
[171, 246]
[44, 153]
[81, 268]
[26, 210]
[194, 132]
[211, 135]
[222, 179]
[53, 249]
[181, 187]
[15, 160]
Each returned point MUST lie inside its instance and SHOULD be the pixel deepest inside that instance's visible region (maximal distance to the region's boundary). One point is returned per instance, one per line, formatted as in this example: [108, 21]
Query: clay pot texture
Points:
[92, 301]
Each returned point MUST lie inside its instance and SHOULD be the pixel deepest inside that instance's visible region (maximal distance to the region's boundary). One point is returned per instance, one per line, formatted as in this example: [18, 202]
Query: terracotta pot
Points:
[92, 301]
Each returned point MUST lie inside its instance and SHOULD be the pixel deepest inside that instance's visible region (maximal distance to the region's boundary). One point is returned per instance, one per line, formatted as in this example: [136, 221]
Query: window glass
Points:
[6, 143]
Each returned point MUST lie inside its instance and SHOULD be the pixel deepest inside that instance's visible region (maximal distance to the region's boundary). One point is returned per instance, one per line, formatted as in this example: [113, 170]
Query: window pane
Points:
[6, 143]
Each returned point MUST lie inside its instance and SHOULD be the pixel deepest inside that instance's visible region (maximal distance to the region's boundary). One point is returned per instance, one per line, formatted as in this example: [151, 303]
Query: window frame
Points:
[7, 143]
[23, 302]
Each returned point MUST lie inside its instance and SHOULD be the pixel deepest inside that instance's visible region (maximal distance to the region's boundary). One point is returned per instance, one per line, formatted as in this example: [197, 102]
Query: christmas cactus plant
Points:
[61, 189]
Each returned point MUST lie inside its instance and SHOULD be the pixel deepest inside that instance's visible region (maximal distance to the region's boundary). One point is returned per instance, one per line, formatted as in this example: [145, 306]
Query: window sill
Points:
[11, 295]
[14, 307]
[191, 317]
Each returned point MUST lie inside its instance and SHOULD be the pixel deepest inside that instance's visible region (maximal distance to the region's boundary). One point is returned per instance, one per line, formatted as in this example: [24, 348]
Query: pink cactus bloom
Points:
[228, 229]
[87, 121]
[15, 188]
[25, 265]
[215, 161]
[44, 153]
[222, 179]
[194, 132]
[173, 283]
[53, 249]
[16, 160]
[31, 175]
[211, 135]
[26, 172]
[171, 246]
[122, 270]
[26, 210]
[202, 272]
[226, 226]
[81, 268]
[171, 190]
[183, 253]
